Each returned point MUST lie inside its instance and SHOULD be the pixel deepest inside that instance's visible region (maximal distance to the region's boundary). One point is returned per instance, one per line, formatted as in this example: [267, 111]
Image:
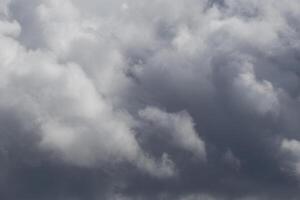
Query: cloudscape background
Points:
[146, 100]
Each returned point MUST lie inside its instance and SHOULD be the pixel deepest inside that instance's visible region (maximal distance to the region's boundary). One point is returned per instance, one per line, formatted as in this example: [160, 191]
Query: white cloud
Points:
[257, 95]
[180, 129]
[293, 148]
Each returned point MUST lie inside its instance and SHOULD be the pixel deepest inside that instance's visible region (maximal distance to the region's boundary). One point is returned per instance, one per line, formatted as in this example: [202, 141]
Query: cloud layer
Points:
[162, 99]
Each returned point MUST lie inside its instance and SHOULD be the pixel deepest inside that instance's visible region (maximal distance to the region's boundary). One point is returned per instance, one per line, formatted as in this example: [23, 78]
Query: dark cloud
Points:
[117, 100]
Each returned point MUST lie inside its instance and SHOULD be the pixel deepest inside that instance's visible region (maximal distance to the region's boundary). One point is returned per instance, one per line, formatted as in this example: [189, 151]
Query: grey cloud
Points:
[143, 100]
[77, 128]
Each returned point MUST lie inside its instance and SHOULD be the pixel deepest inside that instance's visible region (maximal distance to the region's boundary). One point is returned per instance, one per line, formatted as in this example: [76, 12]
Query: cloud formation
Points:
[161, 99]
[179, 128]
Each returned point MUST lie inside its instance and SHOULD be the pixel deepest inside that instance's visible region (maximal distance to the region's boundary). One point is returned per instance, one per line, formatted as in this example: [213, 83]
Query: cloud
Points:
[73, 119]
[179, 127]
[258, 96]
[168, 99]
[195, 197]
[292, 147]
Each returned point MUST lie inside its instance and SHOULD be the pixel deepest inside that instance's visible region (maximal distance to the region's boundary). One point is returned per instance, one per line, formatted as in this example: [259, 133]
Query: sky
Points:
[149, 100]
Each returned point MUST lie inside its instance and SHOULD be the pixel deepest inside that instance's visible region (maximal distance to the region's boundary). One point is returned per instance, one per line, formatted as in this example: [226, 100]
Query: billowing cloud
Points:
[73, 118]
[161, 99]
[179, 128]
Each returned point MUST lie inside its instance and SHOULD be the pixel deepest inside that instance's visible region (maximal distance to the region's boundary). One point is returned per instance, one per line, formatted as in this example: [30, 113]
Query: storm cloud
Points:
[162, 99]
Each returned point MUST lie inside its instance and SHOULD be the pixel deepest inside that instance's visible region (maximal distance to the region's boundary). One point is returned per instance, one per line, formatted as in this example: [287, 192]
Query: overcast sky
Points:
[149, 100]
